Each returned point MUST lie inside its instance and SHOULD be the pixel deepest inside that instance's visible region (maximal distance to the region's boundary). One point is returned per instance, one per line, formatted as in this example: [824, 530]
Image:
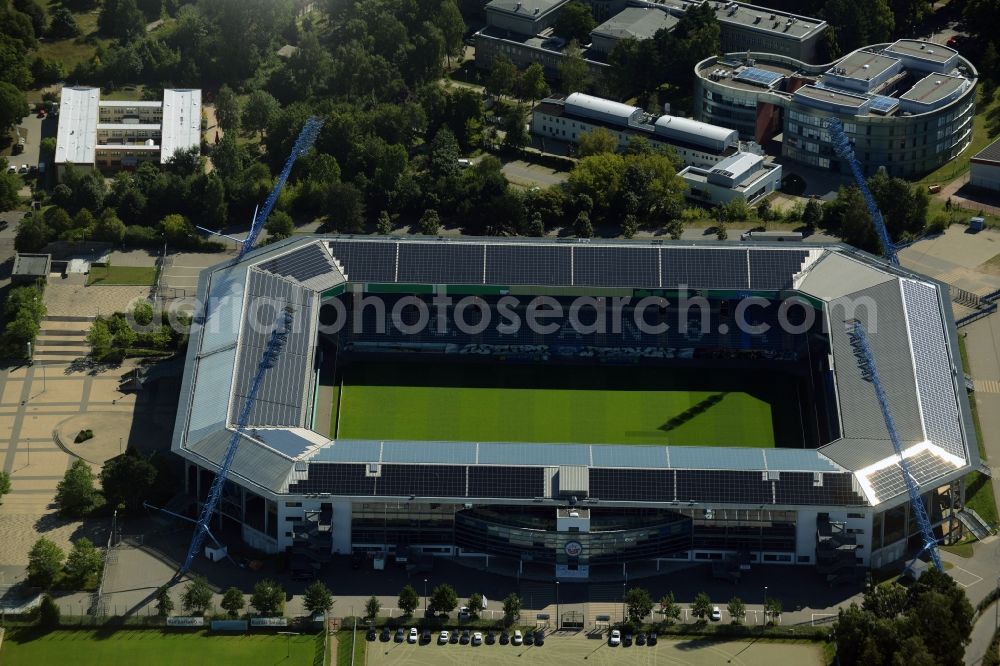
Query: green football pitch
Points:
[589, 405]
[152, 647]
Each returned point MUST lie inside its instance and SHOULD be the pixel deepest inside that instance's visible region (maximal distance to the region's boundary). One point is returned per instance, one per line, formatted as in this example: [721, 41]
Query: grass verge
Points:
[978, 489]
[344, 643]
[122, 275]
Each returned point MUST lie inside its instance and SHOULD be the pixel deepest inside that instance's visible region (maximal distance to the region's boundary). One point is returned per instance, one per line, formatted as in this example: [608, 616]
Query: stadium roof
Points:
[911, 334]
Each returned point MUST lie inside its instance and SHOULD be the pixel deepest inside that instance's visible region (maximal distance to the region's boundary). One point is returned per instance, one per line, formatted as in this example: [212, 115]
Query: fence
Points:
[978, 314]
[96, 607]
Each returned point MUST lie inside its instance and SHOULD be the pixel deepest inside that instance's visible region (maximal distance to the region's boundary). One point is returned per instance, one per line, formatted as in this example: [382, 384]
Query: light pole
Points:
[623, 602]
[558, 616]
[765, 609]
[288, 639]
[425, 597]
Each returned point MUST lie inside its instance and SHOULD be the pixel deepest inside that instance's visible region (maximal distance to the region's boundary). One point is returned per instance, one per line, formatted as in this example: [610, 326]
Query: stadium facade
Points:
[907, 106]
[831, 496]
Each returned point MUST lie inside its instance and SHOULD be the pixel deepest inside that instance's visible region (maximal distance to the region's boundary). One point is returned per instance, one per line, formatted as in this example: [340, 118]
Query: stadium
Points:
[563, 406]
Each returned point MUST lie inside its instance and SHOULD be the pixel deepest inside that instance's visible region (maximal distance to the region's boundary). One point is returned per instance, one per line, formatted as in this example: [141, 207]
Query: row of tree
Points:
[267, 599]
[49, 567]
[126, 480]
[639, 605]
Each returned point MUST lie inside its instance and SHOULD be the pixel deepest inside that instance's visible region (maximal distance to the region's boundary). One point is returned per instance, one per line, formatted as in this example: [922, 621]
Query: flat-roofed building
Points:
[637, 23]
[906, 106]
[697, 143]
[745, 27]
[116, 134]
[744, 175]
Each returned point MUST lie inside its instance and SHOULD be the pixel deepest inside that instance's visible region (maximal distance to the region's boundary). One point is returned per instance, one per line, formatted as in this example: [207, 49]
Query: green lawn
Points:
[594, 405]
[122, 275]
[154, 647]
[344, 643]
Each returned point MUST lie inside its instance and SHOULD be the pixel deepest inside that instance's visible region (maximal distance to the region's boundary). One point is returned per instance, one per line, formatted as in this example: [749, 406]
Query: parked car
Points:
[12, 169]
[425, 636]
[413, 635]
[24, 168]
[463, 614]
[491, 637]
[615, 639]
[385, 635]
[443, 637]
[399, 635]
[504, 637]
[477, 638]
[640, 639]
[539, 638]
[453, 638]
[464, 640]
[371, 633]
[651, 641]
[627, 640]
[518, 639]
[716, 614]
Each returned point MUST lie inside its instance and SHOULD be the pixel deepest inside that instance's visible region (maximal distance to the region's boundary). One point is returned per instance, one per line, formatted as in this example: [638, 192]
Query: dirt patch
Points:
[990, 267]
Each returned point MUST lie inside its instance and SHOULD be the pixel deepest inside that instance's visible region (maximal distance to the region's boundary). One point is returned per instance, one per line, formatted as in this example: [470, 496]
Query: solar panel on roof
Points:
[528, 264]
[366, 261]
[883, 104]
[441, 263]
[757, 76]
[616, 267]
[301, 265]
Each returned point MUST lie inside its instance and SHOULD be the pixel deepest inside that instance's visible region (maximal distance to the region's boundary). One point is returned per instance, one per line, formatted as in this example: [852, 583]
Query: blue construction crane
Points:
[302, 144]
[863, 354]
[842, 146]
[274, 346]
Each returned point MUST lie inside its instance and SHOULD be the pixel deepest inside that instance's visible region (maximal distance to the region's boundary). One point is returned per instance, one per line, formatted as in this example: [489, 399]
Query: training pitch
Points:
[150, 647]
[558, 404]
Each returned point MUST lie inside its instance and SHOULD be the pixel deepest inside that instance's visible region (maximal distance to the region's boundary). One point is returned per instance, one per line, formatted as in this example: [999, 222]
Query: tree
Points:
[638, 604]
[346, 204]
[259, 111]
[848, 216]
[511, 607]
[596, 141]
[885, 601]
[772, 607]
[531, 83]
[99, 339]
[582, 227]
[669, 609]
[4, 484]
[515, 127]
[475, 605]
[13, 107]
[164, 604]
[9, 187]
[573, 73]
[448, 19]
[127, 479]
[233, 601]
[913, 652]
[502, 76]
[32, 234]
[45, 562]
[720, 231]
[408, 600]
[384, 224]
[62, 25]
[812, 214]
[702, 606]
[49, 614]
[279, 225]
[430, 223]
[737, 610]
[536, 227]
[268, 598]
[575, 21]
[197, 596]
[630, 226]
[372, 607]
[227, 109]
[121, 19]
[75, 494]
[84, 561]
[443, 156]
[443, 599]
[318, 598]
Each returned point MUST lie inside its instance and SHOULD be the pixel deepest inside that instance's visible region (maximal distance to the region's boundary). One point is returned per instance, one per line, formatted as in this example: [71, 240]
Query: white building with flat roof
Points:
[741, 175]
[118, 134]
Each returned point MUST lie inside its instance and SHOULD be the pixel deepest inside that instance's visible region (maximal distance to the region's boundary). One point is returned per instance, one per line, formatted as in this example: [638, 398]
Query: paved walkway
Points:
[69, 298]
[955, 257]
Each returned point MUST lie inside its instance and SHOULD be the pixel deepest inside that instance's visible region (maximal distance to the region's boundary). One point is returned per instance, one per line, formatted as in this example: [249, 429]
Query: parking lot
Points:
[575, 648]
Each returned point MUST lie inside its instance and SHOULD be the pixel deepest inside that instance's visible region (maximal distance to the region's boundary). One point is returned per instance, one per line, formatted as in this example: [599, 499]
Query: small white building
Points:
[984, 167]
[118, 134]
[743, 174]
[565, 119]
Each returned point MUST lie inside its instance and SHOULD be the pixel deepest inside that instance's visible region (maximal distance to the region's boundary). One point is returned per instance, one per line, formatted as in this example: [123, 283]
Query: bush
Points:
[138, 235]
[83, 436]
[48, 613]
[938, 224]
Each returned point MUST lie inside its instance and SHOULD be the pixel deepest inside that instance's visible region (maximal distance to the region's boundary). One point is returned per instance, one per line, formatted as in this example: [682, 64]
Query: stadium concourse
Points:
[567, 403]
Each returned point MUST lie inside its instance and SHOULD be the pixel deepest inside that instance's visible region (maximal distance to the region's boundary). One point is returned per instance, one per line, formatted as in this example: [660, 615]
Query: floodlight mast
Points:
[275, 343]
[866, 362]
[842, 146]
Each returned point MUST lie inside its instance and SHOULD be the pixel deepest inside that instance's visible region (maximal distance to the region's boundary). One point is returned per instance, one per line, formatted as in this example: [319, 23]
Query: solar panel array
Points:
[499, 481]
[883, 104]
[302, 265]
[759, 77]
[281, 399]
[935, 385]
[926, 467]
[597, 265]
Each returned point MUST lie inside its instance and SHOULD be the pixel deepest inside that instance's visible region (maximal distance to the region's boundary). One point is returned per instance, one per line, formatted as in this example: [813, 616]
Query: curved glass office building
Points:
[907, 106]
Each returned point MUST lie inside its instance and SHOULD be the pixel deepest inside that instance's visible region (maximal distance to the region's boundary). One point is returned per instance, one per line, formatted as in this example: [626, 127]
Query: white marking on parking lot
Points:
[977, 578]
